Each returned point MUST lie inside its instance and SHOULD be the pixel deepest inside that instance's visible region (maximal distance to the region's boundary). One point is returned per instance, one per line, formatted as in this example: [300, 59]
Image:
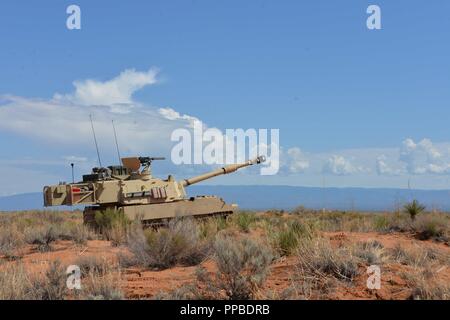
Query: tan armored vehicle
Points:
[138, 194]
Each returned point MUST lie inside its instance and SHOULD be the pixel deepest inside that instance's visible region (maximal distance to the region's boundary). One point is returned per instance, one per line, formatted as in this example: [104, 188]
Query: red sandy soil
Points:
[139, 283]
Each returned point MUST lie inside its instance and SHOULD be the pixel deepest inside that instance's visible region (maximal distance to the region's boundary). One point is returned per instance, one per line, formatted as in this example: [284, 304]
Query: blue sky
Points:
[347, 98]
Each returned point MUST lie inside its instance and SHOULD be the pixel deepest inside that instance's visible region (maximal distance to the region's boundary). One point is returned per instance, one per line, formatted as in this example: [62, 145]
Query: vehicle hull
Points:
[201, 206]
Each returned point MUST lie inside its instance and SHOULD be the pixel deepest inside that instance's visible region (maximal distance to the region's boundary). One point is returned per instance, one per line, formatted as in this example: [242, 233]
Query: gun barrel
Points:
[221, 171]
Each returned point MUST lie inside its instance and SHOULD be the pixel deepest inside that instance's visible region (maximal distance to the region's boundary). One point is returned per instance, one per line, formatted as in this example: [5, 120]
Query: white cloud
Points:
[64, 121]
[170, 114]
[296, 161]
[118, 90]
[383, 168]
[338, 165]
[423, 157]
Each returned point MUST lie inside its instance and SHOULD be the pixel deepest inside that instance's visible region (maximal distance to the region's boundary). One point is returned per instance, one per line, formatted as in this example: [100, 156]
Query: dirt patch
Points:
[139, 283]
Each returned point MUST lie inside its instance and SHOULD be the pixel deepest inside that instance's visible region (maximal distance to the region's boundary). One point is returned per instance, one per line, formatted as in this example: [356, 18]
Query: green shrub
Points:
[414, 208]
[285, 238]
[211, 226]
[286, 241]
[243, 220]
[113, 224]
[432, 226]
[381, 223]
[109, 218]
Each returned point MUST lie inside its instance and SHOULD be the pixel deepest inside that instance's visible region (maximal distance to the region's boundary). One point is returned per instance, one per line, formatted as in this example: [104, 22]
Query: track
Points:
[157, 223]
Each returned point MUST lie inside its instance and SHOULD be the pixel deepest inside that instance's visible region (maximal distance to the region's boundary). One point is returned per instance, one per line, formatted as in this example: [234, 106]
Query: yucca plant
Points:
[414, 208]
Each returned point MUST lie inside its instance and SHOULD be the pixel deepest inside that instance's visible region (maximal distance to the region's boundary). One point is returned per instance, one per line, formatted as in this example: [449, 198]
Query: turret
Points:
[221, 171]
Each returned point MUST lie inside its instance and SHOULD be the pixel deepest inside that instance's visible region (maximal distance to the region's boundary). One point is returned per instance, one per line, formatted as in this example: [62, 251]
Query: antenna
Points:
[95, 140]
[409, 188]
[117, 144]
[324, 195]
[73, 176]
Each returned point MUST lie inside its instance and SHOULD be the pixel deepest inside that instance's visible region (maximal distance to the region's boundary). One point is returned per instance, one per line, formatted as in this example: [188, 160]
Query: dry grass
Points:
[106, 287]
[52, 285]
[418, 257]
[243, 248]
[432, 226]
[42, 237]
[80, 234]
[424, 287]
[100, 280]
[11, 240]
[93, 265]
[242, 268]
[318, 258]
[17, 284]
[40, 229]
[337, 221]
[371, 252]
[180, 242]
[321, 268]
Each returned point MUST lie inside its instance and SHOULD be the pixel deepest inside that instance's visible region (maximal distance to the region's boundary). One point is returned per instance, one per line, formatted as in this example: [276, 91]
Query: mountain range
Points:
[286, 197]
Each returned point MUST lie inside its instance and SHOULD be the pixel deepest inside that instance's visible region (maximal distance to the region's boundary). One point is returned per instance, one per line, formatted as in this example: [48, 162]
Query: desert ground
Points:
[300, 254]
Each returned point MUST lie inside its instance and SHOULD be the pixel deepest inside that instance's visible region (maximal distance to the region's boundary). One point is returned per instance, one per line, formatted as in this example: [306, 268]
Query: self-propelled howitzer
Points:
[138, 194]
